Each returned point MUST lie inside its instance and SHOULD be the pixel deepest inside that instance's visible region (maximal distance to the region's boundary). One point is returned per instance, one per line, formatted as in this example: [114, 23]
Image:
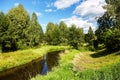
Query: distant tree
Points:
[34, 32]
[63, 33]
[52, 35]
[48, 35]
[76, 37]
[56, 35]
[90, 36]
[20, 20]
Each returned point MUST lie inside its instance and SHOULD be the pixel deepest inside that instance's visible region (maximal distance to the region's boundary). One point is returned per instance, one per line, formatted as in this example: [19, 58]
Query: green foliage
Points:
[17, 31]
[34, 32]
[4, 34]
[52, 34]
[76, 37]
[90, 36]
[64, 32]
[109, 26]
[113, 10]
[113, 38]
[19, 19]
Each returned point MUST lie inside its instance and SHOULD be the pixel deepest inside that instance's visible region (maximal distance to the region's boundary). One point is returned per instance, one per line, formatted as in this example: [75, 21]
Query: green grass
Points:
[95, 60]
[63, 71]
[106, 73]
[99, 68]
[17, 58]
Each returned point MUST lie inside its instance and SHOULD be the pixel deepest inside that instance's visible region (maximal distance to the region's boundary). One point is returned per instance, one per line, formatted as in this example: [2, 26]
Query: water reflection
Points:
[45, 68]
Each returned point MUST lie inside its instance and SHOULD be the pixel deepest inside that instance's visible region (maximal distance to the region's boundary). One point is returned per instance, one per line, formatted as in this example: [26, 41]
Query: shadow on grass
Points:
[118, 53]
[100, 54]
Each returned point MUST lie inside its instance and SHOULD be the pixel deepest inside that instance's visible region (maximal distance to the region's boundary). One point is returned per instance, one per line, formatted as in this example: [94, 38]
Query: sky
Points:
[82, 13]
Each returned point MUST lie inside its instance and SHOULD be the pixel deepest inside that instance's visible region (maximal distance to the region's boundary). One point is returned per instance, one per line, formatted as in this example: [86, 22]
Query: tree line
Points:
[19, 30]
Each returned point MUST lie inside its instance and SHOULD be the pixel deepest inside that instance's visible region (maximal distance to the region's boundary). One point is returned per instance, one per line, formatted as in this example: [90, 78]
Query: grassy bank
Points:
[13, 59]
[63, 71]
[102, 67]
[95, 60]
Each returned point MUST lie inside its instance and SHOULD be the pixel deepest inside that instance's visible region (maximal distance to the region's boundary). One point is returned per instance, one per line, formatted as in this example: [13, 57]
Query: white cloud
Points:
[38, 13]
[16, 4]
[61, 4]
[79, 22]
[90, 8]
[48, 10]
[88, 11]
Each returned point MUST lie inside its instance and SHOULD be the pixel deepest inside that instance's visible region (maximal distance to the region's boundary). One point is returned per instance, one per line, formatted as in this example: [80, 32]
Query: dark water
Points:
[27, 71]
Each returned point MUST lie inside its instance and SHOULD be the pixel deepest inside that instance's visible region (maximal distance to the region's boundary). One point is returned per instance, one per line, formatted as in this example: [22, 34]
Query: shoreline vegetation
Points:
[20, 57]
[108, 67]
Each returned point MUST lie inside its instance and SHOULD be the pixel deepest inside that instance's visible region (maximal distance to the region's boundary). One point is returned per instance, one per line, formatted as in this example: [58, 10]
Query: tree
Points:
[52, 34]
[76, 37]
[56, 39]
[113, 7]
[48, 35]
[109, 26]
[19, 19]
[4, 32]
[113, 40]
[63, 33]
[34, 32]
[89, 37]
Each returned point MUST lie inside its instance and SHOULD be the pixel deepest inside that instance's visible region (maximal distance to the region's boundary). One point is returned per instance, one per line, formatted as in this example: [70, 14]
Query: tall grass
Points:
[107, 73]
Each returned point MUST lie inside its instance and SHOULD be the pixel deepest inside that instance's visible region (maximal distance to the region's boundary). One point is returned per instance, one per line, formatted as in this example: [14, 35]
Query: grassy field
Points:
[76, 65]
[95, 60]
[17, 58]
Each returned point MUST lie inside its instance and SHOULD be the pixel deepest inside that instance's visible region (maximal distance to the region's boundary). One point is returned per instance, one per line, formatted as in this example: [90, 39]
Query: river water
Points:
[39, 66]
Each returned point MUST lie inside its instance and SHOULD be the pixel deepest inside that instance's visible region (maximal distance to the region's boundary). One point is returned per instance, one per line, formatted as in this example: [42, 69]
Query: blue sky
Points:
[82, 13]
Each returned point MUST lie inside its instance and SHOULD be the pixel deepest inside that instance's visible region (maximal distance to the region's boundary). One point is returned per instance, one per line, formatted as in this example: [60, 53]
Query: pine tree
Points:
[90, 36]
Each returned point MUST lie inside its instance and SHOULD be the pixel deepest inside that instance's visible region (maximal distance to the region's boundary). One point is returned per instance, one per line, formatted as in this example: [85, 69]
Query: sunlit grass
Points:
[89, 60]
[63, 71]
[99, 68]
[13, 59]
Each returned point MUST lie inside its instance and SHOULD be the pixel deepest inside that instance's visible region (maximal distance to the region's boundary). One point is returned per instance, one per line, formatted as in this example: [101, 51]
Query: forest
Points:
[21, 31]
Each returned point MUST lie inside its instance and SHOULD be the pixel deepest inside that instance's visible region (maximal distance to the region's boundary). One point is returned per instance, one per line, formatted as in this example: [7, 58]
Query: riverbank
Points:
[77, 65]
[17, 58]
